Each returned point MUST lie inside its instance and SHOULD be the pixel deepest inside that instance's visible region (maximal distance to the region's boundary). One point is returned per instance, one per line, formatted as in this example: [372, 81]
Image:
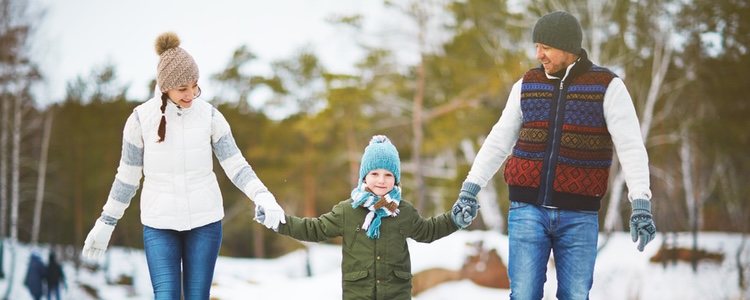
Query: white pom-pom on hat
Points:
[379, 139]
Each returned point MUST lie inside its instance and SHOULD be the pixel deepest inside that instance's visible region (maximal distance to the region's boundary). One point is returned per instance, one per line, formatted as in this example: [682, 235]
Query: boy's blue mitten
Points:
[466, 207]
[642, 225]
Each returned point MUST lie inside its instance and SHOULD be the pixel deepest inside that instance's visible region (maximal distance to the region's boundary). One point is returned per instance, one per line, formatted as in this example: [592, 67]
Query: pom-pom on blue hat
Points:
[380, 154]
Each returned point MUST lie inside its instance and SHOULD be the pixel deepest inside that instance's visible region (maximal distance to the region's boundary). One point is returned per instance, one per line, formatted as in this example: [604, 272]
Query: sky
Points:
[78, 36]
[621, 272]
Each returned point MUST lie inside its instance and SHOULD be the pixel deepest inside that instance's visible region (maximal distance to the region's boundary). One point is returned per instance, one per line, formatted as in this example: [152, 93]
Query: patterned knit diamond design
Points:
[583, 147]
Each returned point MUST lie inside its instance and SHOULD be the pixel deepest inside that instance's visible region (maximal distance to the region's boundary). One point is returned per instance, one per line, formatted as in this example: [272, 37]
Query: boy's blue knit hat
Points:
[380, 154]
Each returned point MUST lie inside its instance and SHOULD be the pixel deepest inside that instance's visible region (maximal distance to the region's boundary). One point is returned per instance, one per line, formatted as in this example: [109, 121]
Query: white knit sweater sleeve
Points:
[623, 125]
[230, 157]
[129, 172]
[499, 143]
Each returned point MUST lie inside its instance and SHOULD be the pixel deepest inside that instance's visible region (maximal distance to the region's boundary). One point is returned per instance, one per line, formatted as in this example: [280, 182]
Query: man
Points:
[559, 128]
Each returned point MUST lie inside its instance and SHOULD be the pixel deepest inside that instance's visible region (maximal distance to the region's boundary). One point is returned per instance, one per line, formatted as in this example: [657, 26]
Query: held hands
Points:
[466, 208]
[97, 240]
[642, 223]
[267, 211]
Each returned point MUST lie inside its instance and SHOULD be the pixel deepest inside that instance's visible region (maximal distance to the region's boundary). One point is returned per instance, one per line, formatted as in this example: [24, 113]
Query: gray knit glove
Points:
[466, 208]
[642, 223]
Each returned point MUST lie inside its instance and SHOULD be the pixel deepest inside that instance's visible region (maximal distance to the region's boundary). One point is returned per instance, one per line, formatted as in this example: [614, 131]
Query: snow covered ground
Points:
[621, 272]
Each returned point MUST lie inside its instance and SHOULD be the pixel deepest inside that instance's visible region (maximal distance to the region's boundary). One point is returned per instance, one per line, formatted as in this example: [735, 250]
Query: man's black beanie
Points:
[560, 30]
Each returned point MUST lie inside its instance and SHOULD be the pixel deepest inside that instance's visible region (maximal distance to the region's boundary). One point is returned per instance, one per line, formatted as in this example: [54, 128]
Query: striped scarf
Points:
[380, 207]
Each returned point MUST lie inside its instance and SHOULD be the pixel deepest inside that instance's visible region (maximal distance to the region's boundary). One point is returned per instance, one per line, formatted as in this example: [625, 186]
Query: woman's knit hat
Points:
[560, 30]
[176, 67]
[380, 154]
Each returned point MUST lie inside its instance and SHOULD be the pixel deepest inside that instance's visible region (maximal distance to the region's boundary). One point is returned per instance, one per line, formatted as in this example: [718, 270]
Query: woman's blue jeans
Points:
[533, 232]
[182, 260]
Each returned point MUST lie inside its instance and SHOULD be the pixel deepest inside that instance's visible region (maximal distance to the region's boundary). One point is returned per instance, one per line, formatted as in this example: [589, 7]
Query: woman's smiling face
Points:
[185, 94]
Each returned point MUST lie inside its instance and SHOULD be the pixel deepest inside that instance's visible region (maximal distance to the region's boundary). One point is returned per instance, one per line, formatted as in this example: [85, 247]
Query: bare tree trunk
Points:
[612, 219]
[600, 15]
[420, 15]
[740, 267]
[352, 152]
[737, 210]
[659, 68]
[487, 198]
[4, 169]
[3, 179]
[686, 156]
[418, 132]
[309, 182]
[259, 244]
[15, 190]
[77, 199]
[41, 178]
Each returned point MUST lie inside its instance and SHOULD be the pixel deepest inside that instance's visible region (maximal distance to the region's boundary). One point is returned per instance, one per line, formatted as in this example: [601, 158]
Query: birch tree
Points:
[420, 15]
[17, 74]
[660, 65]
[4, 128]
[41, 178]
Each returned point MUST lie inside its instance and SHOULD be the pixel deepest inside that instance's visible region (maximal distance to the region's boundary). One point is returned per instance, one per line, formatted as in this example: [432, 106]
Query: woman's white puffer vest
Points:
[180, 190]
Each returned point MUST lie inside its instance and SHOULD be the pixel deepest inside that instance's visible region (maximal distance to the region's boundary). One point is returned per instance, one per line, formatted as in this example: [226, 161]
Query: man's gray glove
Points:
[642, 228]
[466, 208]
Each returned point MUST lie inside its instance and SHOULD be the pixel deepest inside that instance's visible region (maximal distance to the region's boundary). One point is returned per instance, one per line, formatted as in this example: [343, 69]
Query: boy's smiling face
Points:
[380, 181]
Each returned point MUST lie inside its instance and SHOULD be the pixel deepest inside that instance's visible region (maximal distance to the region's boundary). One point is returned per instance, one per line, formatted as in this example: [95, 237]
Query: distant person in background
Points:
[55, 276]
[375, 224]
[35, 276]
[560, 127]
[169, 139]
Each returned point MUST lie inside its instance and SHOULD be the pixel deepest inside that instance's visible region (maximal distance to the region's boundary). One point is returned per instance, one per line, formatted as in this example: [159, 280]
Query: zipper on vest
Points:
[184, 163]
[548, 182]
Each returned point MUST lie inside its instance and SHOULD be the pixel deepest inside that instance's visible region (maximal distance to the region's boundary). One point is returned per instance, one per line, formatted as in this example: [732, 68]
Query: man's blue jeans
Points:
[533, 231]
[191, 253]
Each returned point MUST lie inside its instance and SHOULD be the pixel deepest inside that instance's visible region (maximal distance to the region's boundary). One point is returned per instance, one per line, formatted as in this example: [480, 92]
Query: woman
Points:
[169, 139]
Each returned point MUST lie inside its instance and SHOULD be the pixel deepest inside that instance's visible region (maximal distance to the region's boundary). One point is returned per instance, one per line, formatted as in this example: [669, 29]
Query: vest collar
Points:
[180, 111]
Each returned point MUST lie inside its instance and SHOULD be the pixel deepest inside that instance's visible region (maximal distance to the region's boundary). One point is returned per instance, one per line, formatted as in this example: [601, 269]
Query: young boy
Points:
[375, 223]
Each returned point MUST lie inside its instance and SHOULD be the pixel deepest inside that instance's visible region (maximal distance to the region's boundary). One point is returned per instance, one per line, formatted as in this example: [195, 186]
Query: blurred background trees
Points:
[684, 65]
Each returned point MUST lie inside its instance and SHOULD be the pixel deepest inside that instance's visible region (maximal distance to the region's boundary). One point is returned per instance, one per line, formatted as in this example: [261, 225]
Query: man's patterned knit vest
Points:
[564, 151]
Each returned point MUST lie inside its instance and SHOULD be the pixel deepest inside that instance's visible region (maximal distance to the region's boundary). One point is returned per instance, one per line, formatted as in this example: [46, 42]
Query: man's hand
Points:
[642, 227]
[466, 208]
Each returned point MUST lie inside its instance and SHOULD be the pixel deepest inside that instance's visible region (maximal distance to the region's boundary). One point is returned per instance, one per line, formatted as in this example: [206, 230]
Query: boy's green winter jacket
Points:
[372, 268]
